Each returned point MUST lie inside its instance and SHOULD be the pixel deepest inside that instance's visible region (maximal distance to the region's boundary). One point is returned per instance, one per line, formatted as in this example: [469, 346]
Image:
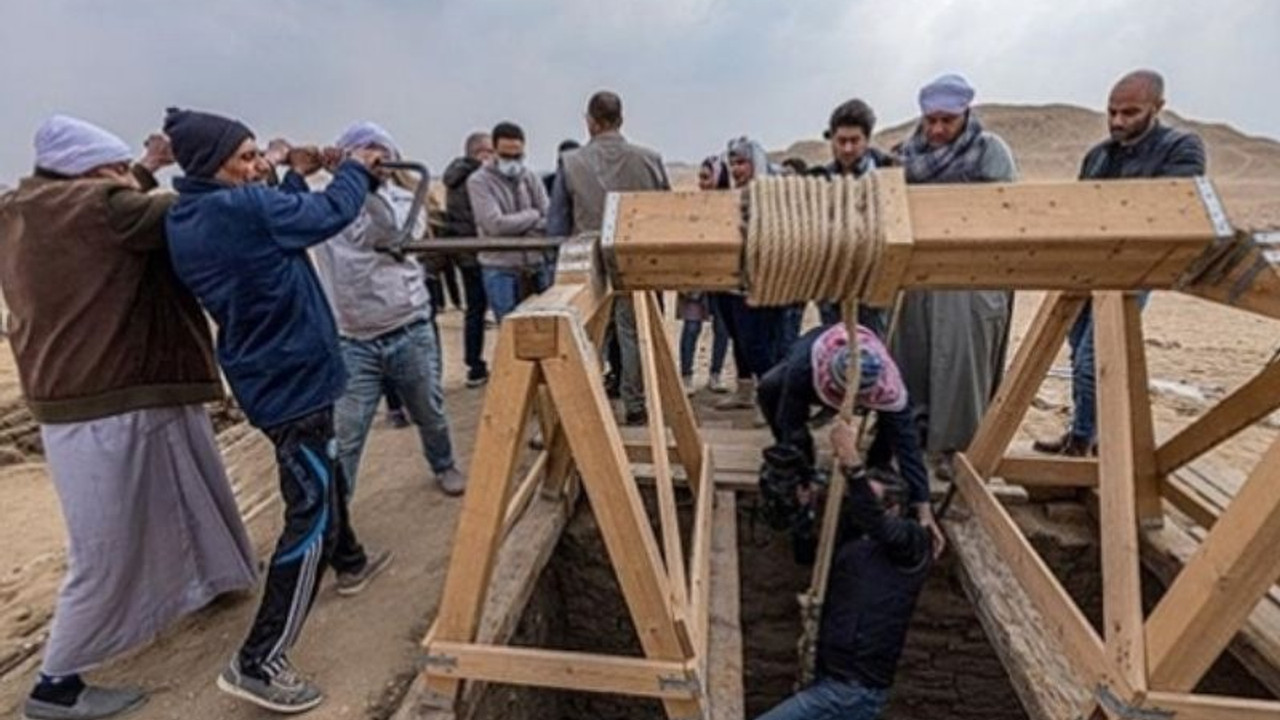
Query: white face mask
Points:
[510, 168]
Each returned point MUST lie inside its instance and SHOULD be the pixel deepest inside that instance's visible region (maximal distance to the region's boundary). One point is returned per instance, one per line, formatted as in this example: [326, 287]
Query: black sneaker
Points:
[285, 691]
[639, 417]
[477, 379]
[93, 703]
[353, 583]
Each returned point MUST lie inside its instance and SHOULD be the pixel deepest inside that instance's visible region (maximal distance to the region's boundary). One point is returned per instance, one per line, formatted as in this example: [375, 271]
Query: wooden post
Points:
[1217, 589]
[1253, 401]
[672, 549]
[578, 389]
[679, 412]
[1058, 311]
[1122, 431]
[501, 432]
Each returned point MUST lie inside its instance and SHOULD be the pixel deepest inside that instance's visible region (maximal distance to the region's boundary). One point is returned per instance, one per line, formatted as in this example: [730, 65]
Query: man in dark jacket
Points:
[1139, 147]
[116, 363]
[241, 247]
[881, 563]
[461, 222]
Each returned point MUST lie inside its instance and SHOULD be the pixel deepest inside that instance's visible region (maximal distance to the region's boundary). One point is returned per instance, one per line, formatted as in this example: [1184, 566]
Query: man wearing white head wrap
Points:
[367, 134]
[115, 361]
[951, 344]
[71, 147]
[384, 316]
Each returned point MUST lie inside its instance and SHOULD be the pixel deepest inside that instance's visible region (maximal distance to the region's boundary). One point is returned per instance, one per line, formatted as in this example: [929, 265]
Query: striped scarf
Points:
[956, 162]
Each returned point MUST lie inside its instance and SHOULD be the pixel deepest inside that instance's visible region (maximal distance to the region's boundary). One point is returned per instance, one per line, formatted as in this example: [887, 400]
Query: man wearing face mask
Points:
[116, 363]
[1139, 147]
[509, 200]
[241, 247]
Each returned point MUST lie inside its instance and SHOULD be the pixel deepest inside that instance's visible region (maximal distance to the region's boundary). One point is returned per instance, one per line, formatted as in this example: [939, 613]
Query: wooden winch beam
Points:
[1112, 235]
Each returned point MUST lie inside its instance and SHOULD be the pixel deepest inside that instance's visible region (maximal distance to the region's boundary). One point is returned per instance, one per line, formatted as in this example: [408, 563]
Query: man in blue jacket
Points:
[241, 247]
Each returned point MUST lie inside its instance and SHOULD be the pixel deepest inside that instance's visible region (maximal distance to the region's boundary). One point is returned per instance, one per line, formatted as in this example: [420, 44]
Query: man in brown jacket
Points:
[115, 362]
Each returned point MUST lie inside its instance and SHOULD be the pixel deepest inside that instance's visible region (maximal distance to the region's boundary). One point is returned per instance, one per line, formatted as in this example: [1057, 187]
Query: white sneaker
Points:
[687, 381]
[717, 385]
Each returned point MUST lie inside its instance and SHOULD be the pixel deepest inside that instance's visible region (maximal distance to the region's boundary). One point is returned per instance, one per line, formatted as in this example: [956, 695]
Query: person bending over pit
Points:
[881, 563]
[814, 374]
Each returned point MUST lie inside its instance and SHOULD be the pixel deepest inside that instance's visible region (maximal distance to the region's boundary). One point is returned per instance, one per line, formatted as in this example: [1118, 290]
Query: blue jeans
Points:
[689, 335]
[1084, 393]
[506, 288]
[1083, 379]
[831, 699]
[409, 359]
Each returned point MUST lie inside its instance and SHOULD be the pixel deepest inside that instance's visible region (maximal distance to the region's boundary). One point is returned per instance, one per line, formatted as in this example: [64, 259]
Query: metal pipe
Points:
[480, 244]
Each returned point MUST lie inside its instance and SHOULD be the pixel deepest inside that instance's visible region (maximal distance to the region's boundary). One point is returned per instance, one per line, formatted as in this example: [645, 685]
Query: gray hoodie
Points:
[506, 207]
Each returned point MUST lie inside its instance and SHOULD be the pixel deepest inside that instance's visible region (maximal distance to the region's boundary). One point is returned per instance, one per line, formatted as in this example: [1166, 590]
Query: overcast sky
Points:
[692, 73]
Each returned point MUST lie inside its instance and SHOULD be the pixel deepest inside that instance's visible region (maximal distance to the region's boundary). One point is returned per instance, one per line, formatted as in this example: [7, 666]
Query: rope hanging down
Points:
[813, 239]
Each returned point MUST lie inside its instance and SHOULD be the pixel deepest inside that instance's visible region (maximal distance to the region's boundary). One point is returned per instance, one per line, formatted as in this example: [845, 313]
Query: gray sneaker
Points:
[94, 703]
[284, 692]
[353, 583]
[452, 481]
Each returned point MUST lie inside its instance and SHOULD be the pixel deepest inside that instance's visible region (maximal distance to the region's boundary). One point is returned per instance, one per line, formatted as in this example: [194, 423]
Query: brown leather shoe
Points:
[1068, 445]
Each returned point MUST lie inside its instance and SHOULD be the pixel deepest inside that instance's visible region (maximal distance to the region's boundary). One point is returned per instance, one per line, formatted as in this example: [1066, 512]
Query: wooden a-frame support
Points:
[1137, 663]
[546, 363]
[1070, 238]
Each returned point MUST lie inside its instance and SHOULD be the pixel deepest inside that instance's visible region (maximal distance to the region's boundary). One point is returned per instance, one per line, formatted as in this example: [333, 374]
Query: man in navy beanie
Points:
[241, 247]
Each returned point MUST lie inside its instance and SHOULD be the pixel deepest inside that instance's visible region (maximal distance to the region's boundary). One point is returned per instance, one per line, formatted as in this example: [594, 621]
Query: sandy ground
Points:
[363, 650]
[360, 650]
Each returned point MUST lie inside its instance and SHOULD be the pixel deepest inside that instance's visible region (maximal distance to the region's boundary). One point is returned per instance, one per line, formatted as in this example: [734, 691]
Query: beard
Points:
[1126, 135]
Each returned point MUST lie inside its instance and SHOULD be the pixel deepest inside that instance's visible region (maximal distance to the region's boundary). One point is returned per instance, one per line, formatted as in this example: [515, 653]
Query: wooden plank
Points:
[724, 659]
[680, 415]
[1050, 686]
[1119, 425]
[672, 548]
[520, 563]
[1044, 471]
[499, 436]
[1146, 480]
[535, 336]
[895, 226]
[1253, 401]
[1112, 264]
[587, 672]
[1061, 619]
[578, 389]
[1222, 583]
[1166, 550]
[1057, 312]
[1182, 495]
[523, 492]
[1068, 235]
[1261, 295]
[700, 577]
[676, 240]
[1018, 213]
[1210, 707]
